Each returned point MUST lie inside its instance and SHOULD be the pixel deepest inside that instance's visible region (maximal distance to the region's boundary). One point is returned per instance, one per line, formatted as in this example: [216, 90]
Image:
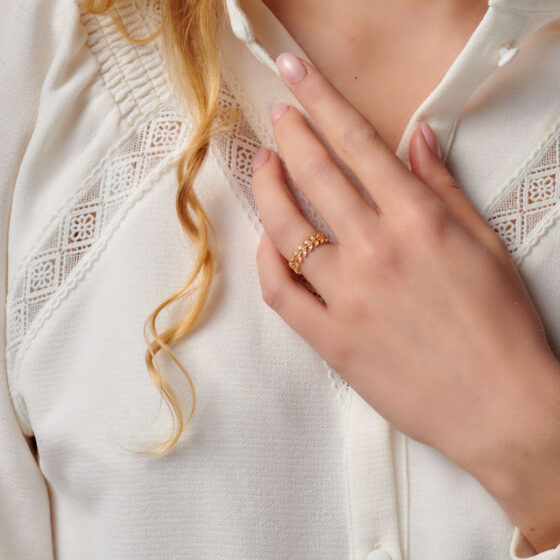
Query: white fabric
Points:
[282, 459]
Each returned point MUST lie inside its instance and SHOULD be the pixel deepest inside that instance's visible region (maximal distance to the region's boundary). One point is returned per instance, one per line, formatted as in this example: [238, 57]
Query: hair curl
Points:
[189, 30]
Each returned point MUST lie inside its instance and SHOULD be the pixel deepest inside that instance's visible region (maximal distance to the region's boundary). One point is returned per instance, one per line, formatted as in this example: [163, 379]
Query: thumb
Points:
[426, 164]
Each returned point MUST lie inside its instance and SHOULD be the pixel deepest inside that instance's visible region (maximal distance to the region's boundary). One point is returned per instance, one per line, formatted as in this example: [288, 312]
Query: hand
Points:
[424, 312]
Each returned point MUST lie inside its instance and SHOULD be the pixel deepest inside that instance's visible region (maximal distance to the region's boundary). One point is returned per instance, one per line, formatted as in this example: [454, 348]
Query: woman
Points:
[392, 396]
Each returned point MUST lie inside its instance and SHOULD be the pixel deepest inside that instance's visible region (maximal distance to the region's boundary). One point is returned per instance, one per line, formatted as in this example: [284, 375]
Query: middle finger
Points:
[352, 137]
[320, 178]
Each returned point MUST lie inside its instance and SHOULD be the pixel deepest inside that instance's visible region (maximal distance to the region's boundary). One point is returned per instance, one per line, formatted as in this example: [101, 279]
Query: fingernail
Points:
[278, 110]
[261, 155]
[431, 138]
[291, 67]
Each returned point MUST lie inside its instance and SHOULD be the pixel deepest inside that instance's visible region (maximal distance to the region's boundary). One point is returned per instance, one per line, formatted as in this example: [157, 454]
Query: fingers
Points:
[352, 137]
[287, 227]
[292, 301]
[321, 179]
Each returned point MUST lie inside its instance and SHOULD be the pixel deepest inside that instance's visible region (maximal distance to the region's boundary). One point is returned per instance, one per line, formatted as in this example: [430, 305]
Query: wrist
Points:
[521, 468]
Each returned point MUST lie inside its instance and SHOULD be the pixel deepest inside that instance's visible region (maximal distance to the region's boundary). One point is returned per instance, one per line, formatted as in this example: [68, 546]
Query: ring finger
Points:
[287, 227]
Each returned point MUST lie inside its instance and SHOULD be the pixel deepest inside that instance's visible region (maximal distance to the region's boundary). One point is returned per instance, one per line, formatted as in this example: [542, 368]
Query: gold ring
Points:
[307, 245]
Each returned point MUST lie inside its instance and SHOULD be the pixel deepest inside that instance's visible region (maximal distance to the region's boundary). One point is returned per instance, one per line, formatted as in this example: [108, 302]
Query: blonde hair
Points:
[189, 31]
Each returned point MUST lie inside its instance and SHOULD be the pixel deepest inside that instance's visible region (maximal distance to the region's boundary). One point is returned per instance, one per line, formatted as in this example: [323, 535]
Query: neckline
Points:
[266, 36]
[274, 38]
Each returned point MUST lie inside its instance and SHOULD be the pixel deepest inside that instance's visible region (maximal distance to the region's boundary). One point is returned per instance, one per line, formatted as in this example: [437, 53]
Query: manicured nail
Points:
[431, 138]
[261, 155]
[278, 110]
[291, 67]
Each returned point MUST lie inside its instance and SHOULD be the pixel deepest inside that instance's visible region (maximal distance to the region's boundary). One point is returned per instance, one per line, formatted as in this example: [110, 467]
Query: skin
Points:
[445, 322]
[356, 49]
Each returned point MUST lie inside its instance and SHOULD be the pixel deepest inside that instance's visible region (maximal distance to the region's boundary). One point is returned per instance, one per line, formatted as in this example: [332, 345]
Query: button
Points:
[507, 54]
[378, 554]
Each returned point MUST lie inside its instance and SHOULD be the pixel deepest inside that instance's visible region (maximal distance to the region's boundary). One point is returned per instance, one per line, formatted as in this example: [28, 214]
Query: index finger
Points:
[351, 135]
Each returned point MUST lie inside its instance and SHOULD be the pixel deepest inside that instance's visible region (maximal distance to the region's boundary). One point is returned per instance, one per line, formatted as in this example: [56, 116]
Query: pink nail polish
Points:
[261, 155]
[278, 110]
[291, 67]
[431, 138]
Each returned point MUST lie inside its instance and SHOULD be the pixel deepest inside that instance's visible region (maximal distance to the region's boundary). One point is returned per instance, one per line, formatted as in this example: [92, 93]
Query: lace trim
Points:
[72, 241]
[528, 207]
[135, 77]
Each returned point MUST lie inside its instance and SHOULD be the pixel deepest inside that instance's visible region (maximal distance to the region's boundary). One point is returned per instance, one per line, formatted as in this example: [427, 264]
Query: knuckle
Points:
[356, 308]
[437, 217]
[313, 168]
[359, 138]
[273, 296]
[312, 90]
[281, 231]
[261, 250]
[378, 258]
[341, 351]
[427, 220]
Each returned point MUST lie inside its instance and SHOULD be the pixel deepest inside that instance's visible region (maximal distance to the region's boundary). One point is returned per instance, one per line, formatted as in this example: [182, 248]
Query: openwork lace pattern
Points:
[69, 246]
[63, 250]
[529, 206]
[234, 150]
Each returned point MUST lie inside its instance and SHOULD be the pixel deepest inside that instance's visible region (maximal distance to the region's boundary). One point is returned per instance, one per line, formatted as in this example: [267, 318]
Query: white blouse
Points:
[282, 459]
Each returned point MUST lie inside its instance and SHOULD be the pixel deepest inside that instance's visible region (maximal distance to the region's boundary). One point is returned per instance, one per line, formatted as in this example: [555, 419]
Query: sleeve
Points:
[27, 42]
[521, 549]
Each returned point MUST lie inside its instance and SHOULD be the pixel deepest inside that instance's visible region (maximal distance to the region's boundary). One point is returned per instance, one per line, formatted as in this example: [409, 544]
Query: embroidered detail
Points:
[528, 207]
[60, 255]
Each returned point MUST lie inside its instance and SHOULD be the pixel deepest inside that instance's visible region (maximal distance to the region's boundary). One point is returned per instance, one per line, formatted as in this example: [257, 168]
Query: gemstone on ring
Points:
[306, 246]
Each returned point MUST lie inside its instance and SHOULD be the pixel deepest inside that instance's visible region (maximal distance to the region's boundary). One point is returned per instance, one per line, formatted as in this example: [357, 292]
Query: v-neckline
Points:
[282, 40]
[499, 27]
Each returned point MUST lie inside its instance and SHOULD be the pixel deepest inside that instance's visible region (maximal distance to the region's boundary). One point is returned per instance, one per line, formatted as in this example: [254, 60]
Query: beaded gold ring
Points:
[306, 246]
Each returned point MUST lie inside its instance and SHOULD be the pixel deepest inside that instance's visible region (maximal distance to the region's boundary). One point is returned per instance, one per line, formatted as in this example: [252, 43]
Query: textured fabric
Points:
[282, 459]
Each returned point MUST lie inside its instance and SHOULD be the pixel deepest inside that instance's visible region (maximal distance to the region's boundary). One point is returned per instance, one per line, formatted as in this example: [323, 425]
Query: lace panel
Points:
[59, 258]
[528, 207]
